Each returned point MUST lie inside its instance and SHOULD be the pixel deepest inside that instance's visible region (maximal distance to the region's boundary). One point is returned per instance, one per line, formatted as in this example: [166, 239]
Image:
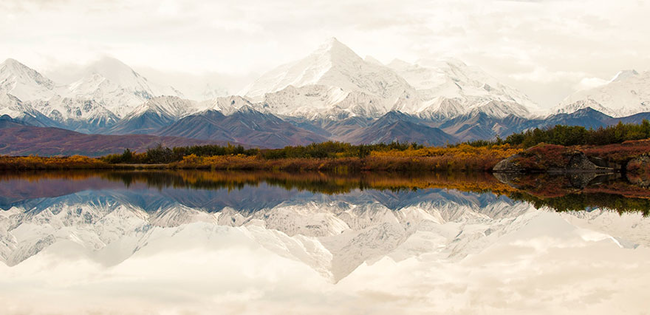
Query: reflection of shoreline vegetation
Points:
[585, 201]
[579, 192]
[311, 181]
[557, 192]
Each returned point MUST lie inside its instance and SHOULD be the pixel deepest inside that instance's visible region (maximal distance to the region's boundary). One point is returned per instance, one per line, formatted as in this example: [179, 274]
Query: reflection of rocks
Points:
[638, 171]
[584, 179]
[574, 180]
[509, 178]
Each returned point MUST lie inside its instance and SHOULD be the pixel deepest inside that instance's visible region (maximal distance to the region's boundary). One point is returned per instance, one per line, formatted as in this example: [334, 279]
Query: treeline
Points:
[577, 135]
[329, 149]
[333, 149]
[572, 135]
[164, 155]
[396, 156]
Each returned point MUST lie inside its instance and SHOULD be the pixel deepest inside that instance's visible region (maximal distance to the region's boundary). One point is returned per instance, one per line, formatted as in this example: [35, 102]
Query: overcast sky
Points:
[545, 48]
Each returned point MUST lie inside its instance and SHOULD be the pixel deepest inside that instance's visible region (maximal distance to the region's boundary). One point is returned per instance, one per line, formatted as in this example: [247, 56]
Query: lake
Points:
[192, 242]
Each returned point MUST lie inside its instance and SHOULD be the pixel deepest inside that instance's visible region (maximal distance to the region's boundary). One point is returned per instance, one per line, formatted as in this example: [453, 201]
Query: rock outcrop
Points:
[509, 165]
[549, 159]
[580, 162]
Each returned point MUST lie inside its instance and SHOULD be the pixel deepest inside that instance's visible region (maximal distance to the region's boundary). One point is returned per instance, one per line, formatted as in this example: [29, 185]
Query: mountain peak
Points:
[624, 74]
[334, 49]
[12, 62]
[247, 109]
[394, 116]
[310, 70]
[23, 81]
[112, 69]
[16, 66]
[330, 43]
[626, 94]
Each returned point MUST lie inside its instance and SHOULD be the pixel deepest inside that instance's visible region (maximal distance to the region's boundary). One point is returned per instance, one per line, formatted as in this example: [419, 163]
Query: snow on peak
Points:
[117, 72]
[318, 83]
[470, 88]
[372, 60]
[624, 75]
[117, 86]
[226, 104]
[24, 82]
[170, 106]
[333, 49]
[333, 78]
[11, 63]
[247, 109]
[121, 75]
[628, 93]
[306, 71]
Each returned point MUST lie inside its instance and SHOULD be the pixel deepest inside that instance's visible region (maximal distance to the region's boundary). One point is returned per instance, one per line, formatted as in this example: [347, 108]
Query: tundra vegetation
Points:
[618, 144]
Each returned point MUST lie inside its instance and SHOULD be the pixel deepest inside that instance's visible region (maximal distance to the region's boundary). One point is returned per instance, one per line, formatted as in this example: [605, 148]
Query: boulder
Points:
[509, 165]
[580, 162]
[527, 162]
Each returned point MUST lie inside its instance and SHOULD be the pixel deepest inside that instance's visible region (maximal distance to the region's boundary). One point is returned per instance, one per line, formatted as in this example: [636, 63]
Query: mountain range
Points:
[331, 94]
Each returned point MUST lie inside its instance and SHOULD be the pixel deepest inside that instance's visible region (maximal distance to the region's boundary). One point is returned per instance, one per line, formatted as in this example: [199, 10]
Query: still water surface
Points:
[274, 243]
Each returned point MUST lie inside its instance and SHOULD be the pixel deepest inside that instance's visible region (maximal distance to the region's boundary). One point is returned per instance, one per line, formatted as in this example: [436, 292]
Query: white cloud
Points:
[590, 83]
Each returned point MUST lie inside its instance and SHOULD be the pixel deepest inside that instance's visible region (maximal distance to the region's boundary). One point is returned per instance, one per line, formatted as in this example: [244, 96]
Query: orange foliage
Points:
[461, 158]
[48, 163]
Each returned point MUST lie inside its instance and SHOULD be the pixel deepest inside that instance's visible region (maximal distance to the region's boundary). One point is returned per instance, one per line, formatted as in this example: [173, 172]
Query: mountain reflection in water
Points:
[205, 242]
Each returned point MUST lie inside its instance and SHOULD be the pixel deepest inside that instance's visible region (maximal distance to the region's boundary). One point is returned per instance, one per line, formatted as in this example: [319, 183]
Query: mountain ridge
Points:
[331, 94]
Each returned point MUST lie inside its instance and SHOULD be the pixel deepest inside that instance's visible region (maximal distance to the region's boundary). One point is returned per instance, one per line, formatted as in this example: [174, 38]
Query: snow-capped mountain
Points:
[333, 79]
[154, 114]
[332, 64]
[628, 93]
[332, 94]
[169, 106]
[23, 82]
[79, 114]
[19, 84]
[108, 91]
[226, 105]
[118, 87]
[449, 88]
[11, 105]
